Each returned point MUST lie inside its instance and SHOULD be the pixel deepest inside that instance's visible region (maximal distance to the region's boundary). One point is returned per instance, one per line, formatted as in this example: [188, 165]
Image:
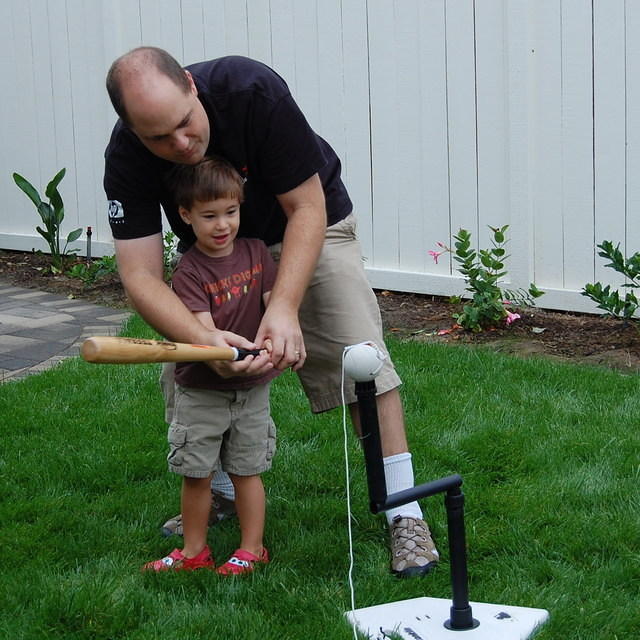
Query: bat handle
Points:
[241, 354]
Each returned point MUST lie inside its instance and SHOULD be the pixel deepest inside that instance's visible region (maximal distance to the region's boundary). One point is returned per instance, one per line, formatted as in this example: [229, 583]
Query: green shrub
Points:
[612, 301]
[482, 271]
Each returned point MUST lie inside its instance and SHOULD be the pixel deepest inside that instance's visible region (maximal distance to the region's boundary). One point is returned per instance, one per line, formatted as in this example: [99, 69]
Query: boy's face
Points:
[215, 224]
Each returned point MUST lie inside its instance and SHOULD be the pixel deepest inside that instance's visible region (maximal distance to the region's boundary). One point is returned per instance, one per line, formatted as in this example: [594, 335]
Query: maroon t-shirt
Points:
[231, 289]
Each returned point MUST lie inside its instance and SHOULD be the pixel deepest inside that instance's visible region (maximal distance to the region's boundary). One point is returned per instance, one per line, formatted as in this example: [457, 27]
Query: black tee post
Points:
[461, 614]
[371, 444]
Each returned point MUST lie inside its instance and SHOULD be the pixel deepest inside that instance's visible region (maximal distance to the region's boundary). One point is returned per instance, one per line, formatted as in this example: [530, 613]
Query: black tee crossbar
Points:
[461, 614]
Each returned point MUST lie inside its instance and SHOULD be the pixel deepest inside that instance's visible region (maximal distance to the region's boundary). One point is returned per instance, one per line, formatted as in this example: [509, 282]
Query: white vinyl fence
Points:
[447, 114]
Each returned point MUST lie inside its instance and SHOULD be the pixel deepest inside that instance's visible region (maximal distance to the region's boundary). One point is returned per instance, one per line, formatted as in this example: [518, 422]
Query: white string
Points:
[348, 482]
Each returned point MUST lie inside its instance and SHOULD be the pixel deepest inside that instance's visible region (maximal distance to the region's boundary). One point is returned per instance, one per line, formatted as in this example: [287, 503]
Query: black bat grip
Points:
[241, 354]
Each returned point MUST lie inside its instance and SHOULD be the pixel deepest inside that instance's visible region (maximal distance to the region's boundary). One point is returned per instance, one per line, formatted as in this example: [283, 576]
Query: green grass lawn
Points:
[549, 454]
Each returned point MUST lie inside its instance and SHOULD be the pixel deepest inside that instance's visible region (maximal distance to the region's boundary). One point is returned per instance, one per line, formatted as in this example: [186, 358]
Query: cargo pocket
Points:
[271, 440]
[177, 437]
[351, 226]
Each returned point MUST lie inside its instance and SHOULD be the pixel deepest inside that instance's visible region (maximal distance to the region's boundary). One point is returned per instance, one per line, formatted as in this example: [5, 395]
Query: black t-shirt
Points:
[257, 126]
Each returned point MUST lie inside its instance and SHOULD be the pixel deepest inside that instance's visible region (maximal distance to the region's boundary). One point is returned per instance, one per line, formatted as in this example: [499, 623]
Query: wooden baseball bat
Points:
[112, 350]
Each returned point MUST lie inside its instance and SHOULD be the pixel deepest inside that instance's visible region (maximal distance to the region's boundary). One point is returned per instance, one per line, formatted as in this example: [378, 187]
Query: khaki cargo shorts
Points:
[339, 309]
[207, 426]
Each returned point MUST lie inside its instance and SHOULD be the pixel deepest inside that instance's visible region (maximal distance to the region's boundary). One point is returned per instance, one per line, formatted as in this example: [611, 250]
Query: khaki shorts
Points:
[207, 426]
[339, 309]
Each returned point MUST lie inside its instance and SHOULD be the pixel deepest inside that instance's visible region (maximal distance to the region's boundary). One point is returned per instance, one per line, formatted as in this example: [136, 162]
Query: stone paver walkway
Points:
[39, 329]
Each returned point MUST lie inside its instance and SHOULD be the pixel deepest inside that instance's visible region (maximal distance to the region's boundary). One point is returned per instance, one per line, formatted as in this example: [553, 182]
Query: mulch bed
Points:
[570, 336]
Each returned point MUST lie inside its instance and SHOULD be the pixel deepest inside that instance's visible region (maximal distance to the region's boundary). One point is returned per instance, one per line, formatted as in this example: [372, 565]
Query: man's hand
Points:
[282, 329]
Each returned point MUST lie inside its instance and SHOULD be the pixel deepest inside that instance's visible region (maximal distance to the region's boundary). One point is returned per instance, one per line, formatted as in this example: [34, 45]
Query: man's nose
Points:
[180, 142]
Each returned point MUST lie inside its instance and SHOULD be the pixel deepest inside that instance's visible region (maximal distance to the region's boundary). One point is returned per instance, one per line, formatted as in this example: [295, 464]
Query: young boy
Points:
[225, 282]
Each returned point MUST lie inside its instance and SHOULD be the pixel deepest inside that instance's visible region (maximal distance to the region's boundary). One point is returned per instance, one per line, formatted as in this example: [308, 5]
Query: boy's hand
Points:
[250, 366]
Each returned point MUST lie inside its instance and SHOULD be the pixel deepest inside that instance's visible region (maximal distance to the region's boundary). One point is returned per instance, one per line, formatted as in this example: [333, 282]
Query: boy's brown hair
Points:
[210, 179]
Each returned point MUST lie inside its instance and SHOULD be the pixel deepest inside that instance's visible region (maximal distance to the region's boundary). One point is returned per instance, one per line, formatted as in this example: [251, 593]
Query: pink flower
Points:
[511, 317]
[436, 254]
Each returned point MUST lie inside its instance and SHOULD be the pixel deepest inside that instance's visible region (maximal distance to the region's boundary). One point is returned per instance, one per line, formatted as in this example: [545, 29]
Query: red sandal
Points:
[177, 561]
[241, 562]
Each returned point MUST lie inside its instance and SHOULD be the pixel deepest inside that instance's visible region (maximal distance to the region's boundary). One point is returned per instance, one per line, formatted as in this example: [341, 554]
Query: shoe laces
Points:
[410, 530]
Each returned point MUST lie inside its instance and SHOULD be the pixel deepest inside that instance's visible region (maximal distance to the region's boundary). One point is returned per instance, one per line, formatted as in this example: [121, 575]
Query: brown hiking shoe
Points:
[413, 552]
[221, 508]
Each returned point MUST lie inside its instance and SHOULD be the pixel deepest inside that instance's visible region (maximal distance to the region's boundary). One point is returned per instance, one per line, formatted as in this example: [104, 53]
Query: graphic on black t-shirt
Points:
[116, 212]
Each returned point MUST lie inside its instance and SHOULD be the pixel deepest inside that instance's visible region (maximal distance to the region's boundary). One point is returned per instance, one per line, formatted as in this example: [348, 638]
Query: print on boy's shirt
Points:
[233, 286]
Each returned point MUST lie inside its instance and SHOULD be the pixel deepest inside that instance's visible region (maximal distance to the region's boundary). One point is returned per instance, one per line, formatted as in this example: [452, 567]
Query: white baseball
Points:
[363, 361]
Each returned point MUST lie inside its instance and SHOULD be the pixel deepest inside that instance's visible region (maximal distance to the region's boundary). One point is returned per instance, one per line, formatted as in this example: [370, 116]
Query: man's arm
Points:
[140, 266]
[304, 236]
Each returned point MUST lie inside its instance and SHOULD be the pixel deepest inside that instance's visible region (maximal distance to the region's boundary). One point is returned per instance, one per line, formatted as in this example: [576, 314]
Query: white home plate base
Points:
[424, 618]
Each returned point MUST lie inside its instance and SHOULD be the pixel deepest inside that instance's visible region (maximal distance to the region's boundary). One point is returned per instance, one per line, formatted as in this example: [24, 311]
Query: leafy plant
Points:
[612, 301]
[170, 243]
[90, 272]
[52, 214]
[483, 270]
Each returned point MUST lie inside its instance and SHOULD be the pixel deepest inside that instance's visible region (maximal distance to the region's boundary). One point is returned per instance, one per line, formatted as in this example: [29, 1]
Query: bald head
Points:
[158, 101]
[136, 69]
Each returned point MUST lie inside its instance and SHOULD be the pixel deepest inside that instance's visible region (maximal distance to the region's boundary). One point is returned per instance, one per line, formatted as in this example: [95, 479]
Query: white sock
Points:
[222, 485]
[398, 474]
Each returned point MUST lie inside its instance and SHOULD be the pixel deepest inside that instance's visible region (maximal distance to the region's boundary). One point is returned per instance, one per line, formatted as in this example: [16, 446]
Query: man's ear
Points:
[185, 215]
[192, 84]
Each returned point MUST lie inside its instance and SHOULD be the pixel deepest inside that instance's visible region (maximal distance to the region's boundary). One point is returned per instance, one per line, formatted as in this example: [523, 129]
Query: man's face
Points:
[172, 124]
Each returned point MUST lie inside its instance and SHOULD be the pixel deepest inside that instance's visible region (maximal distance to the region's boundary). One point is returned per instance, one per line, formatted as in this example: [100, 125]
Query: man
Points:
[294, 200]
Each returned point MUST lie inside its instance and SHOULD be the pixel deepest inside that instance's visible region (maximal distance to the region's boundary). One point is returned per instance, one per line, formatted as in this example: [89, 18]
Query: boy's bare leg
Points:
[196, 503]
[250, 506]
